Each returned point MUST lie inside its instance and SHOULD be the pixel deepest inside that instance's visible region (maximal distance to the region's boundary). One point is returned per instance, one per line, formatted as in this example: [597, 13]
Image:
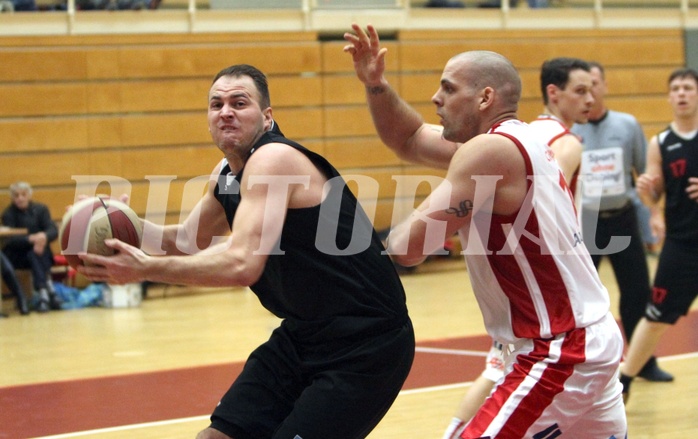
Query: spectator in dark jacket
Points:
[32, 251]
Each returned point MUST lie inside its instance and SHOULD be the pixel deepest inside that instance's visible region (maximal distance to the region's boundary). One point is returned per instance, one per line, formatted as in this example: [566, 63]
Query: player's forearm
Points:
[161, 240]
[650, 200]
[207, 269]
[403, 247]
[650, 189]
[650, 195]
[395, 121]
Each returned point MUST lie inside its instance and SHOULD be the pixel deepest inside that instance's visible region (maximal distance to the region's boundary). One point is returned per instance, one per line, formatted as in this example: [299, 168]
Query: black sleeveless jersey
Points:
[679, 162]
[331, 280]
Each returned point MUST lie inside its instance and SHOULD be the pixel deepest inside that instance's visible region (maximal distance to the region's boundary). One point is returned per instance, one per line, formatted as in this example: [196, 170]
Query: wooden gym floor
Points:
[157, 371]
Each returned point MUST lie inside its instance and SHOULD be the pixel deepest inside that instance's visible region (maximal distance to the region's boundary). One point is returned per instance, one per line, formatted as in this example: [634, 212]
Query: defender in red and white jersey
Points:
[566, 89]
[537, 274]
[540, 294]
[532, 275]
[566, 85]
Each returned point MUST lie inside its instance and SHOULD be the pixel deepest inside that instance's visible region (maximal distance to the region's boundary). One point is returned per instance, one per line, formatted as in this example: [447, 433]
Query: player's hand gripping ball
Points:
[89, 222]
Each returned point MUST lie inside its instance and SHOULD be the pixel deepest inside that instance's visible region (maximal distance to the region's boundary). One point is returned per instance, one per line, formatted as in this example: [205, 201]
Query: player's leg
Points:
[546, 391]
[673, 292]
[574, 414]
[606, 417]
[351, 393]
[211, 433]
[525, 393]
[479, 390]
[263, 394]
[9, 276]
[631, 272]
[632, 275]
[643, 344]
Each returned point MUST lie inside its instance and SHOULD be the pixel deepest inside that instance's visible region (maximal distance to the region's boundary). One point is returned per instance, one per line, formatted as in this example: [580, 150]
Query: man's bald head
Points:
[484, 68]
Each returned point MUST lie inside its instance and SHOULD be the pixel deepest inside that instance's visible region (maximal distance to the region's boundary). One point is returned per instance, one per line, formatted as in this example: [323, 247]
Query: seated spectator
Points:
[32, 251]
[112, 5]
[444, 4]
[24, 5]
[10, 278]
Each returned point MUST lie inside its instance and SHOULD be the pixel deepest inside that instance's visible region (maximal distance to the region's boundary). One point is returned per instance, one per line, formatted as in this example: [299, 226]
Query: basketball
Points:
[89, 222]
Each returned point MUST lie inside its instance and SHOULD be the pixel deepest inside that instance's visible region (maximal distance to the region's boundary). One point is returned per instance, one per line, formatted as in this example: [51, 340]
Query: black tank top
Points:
[679, 162]
[322, 295]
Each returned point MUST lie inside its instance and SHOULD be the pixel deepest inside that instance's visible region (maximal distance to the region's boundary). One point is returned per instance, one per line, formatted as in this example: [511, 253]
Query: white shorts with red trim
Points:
[494, 363]
[564, 387]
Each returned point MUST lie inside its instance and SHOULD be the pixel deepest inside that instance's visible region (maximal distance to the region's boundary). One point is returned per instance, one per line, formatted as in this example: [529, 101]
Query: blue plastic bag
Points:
[74, 298]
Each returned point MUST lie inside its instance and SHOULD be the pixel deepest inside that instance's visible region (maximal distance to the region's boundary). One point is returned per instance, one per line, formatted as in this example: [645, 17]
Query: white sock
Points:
[454, 429]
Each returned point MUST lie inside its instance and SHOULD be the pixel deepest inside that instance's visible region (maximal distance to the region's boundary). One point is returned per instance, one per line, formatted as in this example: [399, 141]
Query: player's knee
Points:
[211, 433]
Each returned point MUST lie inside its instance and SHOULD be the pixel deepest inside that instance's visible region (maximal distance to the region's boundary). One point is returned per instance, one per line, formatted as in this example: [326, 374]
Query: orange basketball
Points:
[89, 222]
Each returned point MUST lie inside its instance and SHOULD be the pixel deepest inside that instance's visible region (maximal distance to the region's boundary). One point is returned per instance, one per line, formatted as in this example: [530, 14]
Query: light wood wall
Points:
[134, 106]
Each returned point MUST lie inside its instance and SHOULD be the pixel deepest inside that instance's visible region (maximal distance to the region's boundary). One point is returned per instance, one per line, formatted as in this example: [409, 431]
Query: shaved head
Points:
[490, 69]
[478, 89]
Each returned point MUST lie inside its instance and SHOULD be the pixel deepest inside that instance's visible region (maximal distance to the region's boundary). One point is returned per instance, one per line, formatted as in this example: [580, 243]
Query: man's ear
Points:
[551, 91]
[486, 97]
[268, 118]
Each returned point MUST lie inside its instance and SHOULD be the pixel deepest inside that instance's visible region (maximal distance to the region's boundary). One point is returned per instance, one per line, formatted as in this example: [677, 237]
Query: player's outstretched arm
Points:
[399, 126]
[273, 175]
[205, 225]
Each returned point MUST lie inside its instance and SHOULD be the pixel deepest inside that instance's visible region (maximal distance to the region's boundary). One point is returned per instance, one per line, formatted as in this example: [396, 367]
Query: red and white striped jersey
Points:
[531, 273]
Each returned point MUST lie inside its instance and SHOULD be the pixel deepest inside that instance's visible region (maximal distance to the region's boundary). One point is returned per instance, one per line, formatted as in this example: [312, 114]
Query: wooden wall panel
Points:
[155, 61]
[542, 34]
[53, 168]
[372, 185]
[294, 91]
[160, 95]
[348, 121]
[647, 109]
[183, 162]
[419, 86]
[162, 129]
[359, 152]
[347, 89]
[185, 61]
[132, 107]
[45, 99]
[335, 60]
[60, 134]
[301, 123]
[151, 95]
[45, 134]
[638, 81]
[530, 54]
[37, 64]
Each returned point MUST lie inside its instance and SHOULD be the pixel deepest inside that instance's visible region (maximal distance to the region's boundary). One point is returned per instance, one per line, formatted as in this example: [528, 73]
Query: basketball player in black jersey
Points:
[672, 175]
[303, 244]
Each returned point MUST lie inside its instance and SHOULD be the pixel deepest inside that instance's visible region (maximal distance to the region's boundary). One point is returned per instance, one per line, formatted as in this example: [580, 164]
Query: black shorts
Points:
[293, 391]
[676, 282]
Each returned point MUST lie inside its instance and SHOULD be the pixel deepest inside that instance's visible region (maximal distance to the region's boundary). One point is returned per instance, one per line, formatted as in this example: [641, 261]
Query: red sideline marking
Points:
[87, 404]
